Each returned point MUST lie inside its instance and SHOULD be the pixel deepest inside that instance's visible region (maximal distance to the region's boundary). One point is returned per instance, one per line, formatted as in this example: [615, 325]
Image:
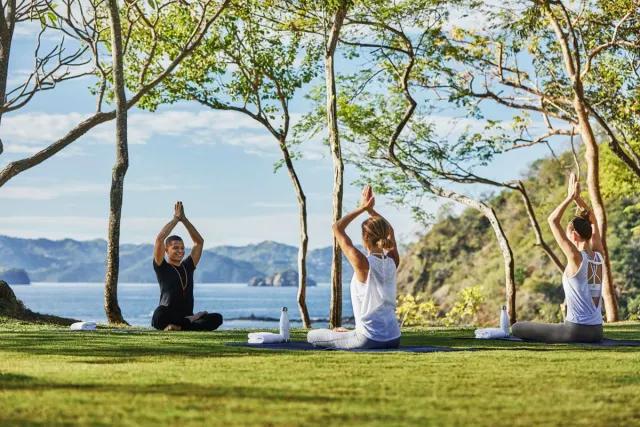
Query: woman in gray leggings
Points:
[373, 287]
[582, 278]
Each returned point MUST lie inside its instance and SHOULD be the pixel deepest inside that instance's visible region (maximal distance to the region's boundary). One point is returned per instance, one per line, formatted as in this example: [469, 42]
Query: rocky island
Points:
[15, 276]
[280, 279]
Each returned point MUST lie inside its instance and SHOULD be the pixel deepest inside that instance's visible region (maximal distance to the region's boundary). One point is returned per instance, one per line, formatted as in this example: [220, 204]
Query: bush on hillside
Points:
[411, 311]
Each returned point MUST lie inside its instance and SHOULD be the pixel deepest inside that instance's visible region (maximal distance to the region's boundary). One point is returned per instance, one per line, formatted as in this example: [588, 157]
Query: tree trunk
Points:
[304, 238]
[505, 248]
[536, 228]
[501, 237]
[302, 264]
[6, 36]
[630, 158]
[335, 315]
[571, 62]
[111, 306]
[593, 186]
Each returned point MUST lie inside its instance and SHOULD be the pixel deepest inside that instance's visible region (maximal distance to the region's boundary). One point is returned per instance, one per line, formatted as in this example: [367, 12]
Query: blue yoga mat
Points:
[305, 346]
[604, 343]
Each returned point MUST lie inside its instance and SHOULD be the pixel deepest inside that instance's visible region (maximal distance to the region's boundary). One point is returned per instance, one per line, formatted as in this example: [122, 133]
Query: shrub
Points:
[411, 311]
[633, 308]
[466, 308]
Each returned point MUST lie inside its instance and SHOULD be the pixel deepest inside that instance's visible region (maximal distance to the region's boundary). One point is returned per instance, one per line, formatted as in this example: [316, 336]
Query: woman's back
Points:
[374, 302]
[583, 291]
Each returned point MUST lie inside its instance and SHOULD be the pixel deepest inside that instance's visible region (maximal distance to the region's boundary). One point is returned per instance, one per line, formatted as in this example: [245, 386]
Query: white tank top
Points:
[581, 289]
[374, 302]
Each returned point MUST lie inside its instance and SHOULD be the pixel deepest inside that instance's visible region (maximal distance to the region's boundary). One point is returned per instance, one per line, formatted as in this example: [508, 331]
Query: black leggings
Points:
[163, 316]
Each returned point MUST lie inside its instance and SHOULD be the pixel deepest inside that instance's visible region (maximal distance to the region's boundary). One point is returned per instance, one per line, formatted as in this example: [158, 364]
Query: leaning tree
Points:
[88, 25]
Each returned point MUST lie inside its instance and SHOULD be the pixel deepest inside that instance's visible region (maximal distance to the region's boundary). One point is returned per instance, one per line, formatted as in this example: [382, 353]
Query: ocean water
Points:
[236, 302]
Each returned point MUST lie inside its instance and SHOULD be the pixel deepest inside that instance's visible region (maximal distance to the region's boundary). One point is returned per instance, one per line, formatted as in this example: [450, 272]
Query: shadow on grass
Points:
[18, 422]
[9, 378]
[120, 346]
[177, 390]
[107, 345]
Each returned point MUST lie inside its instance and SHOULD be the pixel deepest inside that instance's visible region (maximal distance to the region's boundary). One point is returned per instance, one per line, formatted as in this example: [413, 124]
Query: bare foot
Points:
[172, 327]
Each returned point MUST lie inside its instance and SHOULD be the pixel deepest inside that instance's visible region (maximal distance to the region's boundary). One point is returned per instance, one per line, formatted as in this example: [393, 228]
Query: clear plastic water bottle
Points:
[284, 324]
[504, 320]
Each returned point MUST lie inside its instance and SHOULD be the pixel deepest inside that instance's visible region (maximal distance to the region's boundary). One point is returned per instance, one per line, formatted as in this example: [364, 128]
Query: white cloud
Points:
[27, 30]
[47, 192]
[17, 78]
[36, 129]
[448, 126]
[28, 132]
[56, 190]
[20, 149]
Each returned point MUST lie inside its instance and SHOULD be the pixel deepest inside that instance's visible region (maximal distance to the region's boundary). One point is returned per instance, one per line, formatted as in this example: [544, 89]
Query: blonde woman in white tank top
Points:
[582, 278]
[373, 287]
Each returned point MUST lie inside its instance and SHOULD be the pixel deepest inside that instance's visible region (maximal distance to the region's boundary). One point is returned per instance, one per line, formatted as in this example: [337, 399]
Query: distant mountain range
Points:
[84, 261]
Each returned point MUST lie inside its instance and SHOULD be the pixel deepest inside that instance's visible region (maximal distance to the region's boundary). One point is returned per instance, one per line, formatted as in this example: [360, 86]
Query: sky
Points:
[220, 164]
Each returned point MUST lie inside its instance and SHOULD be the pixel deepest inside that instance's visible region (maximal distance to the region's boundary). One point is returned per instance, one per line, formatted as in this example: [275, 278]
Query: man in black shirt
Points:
[175, 277]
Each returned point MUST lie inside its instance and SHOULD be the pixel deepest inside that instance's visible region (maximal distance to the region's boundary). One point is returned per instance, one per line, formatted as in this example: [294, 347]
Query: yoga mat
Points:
[304, 346]
[604, 343]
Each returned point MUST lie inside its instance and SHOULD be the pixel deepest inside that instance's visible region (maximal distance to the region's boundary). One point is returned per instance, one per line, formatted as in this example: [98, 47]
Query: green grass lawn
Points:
[50, 376]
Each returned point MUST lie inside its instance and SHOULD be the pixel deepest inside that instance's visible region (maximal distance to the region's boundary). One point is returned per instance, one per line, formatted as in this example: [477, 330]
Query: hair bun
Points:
[582, 213]
[384, 243]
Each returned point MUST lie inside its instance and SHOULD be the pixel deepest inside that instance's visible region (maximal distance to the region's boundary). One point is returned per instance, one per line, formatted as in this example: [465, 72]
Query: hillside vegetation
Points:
[460, 251]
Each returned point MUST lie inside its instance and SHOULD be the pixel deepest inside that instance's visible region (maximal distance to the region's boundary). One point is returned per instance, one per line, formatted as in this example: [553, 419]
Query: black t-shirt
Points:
[171, 280]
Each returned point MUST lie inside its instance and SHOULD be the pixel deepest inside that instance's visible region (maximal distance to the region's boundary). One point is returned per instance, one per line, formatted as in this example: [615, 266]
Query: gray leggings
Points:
[557, 332]
[326, 338]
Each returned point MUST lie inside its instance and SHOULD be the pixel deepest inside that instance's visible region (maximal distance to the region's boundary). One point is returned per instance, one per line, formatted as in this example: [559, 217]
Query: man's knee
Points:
[161, 317]
[216, 320]
[209, 322]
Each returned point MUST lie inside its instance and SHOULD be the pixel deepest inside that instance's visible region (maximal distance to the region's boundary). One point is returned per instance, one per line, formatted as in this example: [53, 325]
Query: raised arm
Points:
[198, 240]
[596, 240]
[568, 248]
[356, 258]
[158, 247]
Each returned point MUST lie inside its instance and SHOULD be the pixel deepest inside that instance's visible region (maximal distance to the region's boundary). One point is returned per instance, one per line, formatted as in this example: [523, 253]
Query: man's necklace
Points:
[185, 283]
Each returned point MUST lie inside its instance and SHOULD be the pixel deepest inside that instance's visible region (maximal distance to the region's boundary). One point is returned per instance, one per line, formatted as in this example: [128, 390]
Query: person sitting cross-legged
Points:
[373, 287]
[582, 278]
[175, 277]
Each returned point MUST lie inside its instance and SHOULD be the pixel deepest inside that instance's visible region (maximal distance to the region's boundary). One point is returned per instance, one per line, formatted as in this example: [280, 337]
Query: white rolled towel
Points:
[265, 338]
[83, 326]
[490, 333]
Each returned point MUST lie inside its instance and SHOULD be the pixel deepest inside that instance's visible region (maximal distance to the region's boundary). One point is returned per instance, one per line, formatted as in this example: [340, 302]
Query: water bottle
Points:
[504, 320]
[284, 324]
